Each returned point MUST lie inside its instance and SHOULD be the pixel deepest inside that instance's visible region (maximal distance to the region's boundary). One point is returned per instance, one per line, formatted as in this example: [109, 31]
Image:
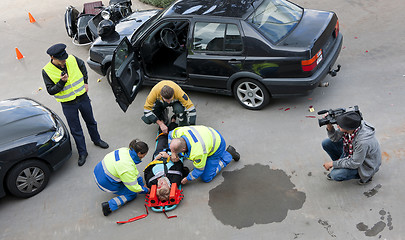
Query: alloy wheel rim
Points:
[30, 179]
[250, 94]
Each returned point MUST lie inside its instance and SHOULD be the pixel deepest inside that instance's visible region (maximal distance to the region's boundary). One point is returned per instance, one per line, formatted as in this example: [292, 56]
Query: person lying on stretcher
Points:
[163, 172]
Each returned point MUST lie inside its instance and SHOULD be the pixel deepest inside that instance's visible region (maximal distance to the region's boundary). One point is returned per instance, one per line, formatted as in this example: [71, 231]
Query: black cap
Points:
[58, 51]
[349, 120]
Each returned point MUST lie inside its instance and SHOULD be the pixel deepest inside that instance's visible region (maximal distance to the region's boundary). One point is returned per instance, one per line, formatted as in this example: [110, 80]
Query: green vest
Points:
[120, 166]
[204, 142]
[74, 86]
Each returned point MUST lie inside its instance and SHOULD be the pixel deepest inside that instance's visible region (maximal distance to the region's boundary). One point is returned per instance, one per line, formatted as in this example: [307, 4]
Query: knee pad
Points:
[178, 108]
[146, 120]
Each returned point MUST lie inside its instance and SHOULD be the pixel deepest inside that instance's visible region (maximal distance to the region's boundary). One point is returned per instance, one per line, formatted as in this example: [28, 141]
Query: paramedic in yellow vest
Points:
[204, 146]
[65, 77]
[117, 173]
[164, 94]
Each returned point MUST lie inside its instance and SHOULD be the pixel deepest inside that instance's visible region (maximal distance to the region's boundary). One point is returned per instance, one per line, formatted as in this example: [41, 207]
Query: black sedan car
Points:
[251, 49]
[33, 142]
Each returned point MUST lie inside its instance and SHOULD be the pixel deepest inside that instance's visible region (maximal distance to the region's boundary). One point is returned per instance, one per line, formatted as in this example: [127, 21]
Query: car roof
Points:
[213, 8]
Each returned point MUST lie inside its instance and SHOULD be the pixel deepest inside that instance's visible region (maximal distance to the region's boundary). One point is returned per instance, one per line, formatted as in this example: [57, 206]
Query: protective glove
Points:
[145, 190]
[140, 181]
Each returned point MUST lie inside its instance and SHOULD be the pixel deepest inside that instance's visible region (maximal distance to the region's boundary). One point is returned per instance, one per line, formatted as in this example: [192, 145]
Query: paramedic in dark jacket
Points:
[354, 149]
[65, 78]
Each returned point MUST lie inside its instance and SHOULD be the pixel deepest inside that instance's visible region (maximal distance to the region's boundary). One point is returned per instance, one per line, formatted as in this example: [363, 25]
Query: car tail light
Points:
[336, 32]
[309, 65]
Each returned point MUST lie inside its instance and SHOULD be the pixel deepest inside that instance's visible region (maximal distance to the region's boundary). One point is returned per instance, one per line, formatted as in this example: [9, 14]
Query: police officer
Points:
[118, 174]
[164, 94]
[65, 77]
[204, 146]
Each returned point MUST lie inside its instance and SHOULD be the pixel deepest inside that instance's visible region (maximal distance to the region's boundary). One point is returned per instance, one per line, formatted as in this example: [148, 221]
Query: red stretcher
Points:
[156, 205]
[152, 201]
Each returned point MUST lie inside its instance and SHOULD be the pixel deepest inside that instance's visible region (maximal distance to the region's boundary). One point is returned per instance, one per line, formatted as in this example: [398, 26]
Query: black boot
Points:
[233, 152]
[82, 159]
[101, 144]
[106, 208]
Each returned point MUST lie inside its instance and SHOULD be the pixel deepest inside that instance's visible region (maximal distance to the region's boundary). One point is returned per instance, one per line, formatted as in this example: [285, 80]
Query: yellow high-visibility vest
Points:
[74, 86]
[120, 166]
[204, 142]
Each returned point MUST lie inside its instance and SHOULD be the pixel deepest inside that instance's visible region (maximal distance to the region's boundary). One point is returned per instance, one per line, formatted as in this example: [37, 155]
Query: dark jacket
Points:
[162, 145]
[173, 178]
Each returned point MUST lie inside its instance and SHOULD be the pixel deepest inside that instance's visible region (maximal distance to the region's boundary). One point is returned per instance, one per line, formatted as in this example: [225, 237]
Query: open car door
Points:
[126, 79]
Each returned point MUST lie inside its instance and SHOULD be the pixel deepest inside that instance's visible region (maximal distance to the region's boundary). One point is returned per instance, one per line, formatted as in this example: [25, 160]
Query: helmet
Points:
[105, 28]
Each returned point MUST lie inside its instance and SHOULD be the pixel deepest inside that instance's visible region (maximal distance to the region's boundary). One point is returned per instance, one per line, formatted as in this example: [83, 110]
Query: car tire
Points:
[251, 94]
[28, 178]
[108, 75]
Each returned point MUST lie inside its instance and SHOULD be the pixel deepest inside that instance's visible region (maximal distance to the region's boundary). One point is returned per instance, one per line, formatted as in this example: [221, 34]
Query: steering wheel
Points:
[169, 38]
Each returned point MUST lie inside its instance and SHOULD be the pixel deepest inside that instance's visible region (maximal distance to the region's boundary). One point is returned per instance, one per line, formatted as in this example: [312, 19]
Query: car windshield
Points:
[276, 18]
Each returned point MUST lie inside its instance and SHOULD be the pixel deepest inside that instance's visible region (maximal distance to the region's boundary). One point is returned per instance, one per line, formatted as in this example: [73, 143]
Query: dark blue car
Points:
[33, 142]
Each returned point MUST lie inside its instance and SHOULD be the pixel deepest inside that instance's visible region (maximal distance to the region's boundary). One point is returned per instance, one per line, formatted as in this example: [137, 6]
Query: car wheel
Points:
[108, 75]
[28, 178]
[251, 94]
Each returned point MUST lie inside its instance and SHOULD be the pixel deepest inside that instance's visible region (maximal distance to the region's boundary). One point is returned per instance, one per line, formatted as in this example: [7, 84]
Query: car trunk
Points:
[315, 34]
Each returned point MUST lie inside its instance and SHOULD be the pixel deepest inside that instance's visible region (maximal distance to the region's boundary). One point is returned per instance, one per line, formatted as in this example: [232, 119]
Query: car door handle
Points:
[234, 61]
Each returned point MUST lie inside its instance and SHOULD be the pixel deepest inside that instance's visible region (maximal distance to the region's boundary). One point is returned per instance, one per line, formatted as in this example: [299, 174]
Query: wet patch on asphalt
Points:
[373, 191]
[378, 227]
[327, 226]
[254, 194]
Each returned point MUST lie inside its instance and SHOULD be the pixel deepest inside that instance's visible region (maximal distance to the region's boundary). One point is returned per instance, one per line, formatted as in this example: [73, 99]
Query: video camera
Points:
[334, 113]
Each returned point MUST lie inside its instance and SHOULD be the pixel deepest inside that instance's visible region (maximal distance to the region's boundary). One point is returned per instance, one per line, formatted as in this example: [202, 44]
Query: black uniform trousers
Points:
[71, 111]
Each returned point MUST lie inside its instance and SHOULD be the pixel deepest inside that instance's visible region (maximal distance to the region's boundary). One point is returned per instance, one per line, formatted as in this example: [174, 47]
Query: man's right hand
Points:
[162, 126]
[161, 155]
[184, 181]
[64, 77]
[329, 127]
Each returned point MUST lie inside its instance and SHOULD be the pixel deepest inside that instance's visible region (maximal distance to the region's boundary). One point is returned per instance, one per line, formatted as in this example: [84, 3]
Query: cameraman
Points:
[353, 148]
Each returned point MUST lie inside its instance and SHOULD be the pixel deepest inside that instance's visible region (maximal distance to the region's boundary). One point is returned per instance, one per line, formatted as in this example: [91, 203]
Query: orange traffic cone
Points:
[19, 55]
[32, 19]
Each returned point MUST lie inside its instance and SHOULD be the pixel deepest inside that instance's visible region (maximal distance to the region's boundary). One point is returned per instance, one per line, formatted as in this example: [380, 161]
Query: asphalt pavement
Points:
[278, 190]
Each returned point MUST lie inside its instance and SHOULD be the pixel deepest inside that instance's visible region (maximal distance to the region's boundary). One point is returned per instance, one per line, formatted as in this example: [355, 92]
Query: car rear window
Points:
[276, 18]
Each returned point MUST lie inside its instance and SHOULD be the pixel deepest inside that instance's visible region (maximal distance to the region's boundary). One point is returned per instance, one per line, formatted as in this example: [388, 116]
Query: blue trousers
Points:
[216, 162]
[109, 185]
[71, 111]
[335, 152]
